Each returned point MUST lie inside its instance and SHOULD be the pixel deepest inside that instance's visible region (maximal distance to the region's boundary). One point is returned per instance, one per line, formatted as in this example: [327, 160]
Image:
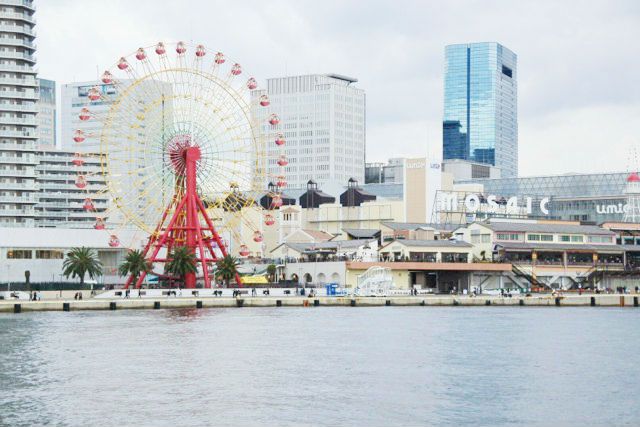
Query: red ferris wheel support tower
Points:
[189, 225]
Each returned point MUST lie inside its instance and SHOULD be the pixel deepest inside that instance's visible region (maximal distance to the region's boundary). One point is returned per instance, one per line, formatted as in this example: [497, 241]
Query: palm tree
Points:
[271, 271]
[183, 261]
[134, 264]
[227, 268]
[81, 261]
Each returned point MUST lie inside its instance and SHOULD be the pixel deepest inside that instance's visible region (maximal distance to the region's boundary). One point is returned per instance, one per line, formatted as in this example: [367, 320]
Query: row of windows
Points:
[40, 254]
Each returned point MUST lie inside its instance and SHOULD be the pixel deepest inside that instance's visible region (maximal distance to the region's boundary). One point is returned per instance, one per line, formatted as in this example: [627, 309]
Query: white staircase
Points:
[375, 282]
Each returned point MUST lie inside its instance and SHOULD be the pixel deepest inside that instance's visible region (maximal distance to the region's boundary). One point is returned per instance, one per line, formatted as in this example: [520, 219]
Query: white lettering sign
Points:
[475, 202]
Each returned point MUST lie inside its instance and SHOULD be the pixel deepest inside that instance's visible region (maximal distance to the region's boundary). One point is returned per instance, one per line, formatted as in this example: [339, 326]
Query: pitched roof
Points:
[362, 233]
[416, 225]
[318, 234]
[532, 227]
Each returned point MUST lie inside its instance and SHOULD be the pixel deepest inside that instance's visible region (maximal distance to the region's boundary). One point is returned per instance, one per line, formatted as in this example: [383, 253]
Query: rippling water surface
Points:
[322, 366]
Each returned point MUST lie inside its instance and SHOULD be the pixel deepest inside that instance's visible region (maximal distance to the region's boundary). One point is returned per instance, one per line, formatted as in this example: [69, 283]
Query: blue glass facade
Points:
[480, 105]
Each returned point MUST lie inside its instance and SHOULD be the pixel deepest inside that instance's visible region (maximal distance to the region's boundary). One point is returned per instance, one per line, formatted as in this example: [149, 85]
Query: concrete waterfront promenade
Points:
[608, 300]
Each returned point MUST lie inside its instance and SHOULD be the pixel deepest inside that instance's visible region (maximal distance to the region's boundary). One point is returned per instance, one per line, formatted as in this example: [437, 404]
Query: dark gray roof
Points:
[561, 247]
[362, 233]
[417, 225]
[546, 228]
[432, 243]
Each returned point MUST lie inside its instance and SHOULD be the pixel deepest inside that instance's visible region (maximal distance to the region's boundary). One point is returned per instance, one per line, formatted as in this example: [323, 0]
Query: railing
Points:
[24, 3]
[17, 81]
[18, 107]
[29, 160]
[14, 15]
[16, 42]
[18, 55]
[18, 29]
[13, 199]
[18, 94]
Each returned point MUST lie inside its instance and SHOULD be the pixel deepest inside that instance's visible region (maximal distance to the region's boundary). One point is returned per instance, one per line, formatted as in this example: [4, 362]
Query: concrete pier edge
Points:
[611, 300]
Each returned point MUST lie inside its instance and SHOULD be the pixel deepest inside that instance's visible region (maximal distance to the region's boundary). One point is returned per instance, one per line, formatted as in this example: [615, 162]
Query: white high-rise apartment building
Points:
[18, 95]
[323, 122]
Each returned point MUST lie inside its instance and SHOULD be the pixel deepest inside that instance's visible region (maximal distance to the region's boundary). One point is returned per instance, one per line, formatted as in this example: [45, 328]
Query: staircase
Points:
[536, 285]
[376, 281]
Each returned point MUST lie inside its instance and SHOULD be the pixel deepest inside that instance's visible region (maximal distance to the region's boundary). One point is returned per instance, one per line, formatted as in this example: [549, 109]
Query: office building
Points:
[18, 109]
[480, 106]
[323, 123]
[46, 113]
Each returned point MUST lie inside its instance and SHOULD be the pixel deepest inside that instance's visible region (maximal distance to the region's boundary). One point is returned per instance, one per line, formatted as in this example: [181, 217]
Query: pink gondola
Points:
[84, 115]
[252, 83]
[244, 250]
[88, 204]
[219, 59]
[264, 100]
[160, 49]
[200, 51]
[141, 54]
[81, 181]
[181, 48]
[78, 136]
[236, 69]
[123, 64]
[269, 220]
[280, 140]
[114, 242]
[107, 78]
[274, 119]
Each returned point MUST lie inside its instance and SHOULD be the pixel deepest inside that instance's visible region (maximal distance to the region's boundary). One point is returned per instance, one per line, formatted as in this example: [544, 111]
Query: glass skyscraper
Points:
[480, 105]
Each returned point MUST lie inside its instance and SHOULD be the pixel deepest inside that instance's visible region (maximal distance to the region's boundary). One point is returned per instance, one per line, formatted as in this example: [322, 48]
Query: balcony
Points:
[27, 94]
[24, 3]
[18, 55]
[9, 172]
[16, 134]
[17, 212]
[24, 160]
[18, 29]
[17, 107]
[19, 186]
[26, 121]
[18, 82]
[22, 16]
[17, 68]
[7, 41]
[29, 147]
[31, 199]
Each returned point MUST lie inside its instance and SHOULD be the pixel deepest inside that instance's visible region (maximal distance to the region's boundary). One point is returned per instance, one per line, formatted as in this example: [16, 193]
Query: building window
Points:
[508, 236]
[19, 254]
[540, 237]
[49, 254]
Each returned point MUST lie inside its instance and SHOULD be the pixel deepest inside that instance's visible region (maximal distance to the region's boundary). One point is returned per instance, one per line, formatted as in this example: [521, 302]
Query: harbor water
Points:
[443, 366]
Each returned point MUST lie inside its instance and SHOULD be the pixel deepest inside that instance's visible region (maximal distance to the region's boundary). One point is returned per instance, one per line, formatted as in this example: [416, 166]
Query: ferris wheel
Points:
[175, 115]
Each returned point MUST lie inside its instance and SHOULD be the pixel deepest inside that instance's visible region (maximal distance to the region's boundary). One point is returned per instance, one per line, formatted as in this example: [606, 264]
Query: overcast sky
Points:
[578, 61]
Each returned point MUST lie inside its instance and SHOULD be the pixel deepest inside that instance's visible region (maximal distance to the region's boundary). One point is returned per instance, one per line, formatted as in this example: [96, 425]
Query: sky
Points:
[578, 61]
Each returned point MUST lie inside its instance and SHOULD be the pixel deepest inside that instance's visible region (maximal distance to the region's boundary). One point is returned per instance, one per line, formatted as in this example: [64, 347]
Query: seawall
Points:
[9, 306]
